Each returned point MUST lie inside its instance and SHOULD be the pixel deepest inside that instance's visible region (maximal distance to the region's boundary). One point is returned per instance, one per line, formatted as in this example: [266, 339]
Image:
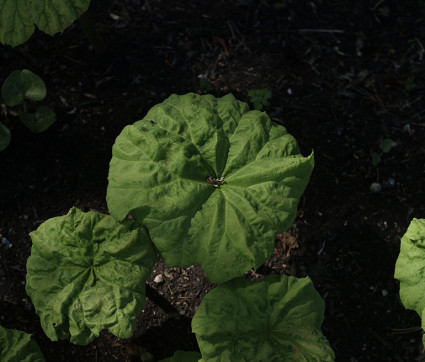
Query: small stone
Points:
[389, 183]
[158, 278]
[376, 187]
[384, 292]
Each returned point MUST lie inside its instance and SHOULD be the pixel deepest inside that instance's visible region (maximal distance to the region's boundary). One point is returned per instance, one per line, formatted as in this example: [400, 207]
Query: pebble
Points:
[375, 187]
[158, 278]
[6, 243]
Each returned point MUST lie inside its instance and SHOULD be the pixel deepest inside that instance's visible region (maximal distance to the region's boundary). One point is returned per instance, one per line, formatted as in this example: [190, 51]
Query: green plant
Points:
[18, 346]
[260, 98]
[385, 146]
[96, 272]
[206, 86]
[410, 268]
[18, 18]
[410, 84]
[212, 182]
[18, 88]
[278, 319]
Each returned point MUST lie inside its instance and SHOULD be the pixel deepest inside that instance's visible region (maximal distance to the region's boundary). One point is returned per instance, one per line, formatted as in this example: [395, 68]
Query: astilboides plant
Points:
[410, 269]
[206, 181]
[19, 18]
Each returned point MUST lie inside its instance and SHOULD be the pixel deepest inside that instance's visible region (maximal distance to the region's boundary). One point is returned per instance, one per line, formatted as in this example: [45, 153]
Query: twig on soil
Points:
[337, 31]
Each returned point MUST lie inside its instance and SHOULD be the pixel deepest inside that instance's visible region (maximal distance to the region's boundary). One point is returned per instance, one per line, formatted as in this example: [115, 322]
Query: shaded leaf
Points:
[43, 118]
[386, 145]
[18, 17]
[86, 273]
[276, 319]
[22, 84]
[5, 136]
[183, 356]
[16, 23]
[18, 346]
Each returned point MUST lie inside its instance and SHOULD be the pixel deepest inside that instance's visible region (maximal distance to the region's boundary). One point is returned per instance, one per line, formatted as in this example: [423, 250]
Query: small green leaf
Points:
[43, 118]
[205, 85]
[86, 273]
[386, 145]
[183, 356]
[260, 97]
[34, 87]
[410, 268]
[5, 136]
[22, 84]
[28, 119]
[18, 346]
[12, 90]
[276, 319]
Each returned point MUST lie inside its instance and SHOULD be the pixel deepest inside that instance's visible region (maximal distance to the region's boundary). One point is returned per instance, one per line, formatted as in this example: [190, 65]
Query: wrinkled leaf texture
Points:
[18, 346]
[276, 319]
[86, 273]
[410, 268]
[159, 171]
[183, 356]
[19, 17]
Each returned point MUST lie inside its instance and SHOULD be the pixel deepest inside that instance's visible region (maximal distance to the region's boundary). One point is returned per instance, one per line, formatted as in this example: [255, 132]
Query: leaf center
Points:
[216, 182]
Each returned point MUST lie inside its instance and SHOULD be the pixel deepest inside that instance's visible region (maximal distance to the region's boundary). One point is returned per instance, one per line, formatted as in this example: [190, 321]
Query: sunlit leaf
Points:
[86, 273]
[211, 180]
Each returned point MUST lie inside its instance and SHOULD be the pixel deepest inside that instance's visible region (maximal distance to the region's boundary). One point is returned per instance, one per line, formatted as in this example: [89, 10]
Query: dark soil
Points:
[344, 75]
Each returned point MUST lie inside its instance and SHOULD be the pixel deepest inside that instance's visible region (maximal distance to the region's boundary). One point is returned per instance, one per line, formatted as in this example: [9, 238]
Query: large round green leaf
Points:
[212, 181]
[410, 268]
[17, 17]
[86, 273]
[18, 346]
[276, 319]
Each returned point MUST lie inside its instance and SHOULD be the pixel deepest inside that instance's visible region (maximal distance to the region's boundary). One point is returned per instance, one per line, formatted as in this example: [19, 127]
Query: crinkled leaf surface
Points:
[410, 268]
[183, 356]
[159, 174]
[276, 319]
[17, 17]
[22, 84]
[86, 273]
[18, 346]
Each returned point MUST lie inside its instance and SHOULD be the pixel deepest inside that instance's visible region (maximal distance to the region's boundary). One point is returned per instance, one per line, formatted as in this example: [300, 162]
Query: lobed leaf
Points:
[18, 17]
[18, 346]
[166, 169]
[86, 273]
[183, 356]
[410, 268]
[276, 319]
